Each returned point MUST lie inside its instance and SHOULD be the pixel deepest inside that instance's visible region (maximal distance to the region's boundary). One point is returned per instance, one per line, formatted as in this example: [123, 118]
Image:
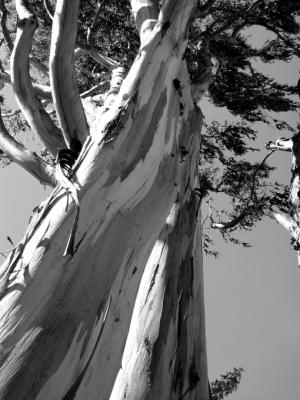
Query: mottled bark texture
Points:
[122, 317]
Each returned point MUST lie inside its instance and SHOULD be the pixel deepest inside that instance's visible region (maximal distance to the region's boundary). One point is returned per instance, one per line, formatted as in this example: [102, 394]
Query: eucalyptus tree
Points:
[103, 297]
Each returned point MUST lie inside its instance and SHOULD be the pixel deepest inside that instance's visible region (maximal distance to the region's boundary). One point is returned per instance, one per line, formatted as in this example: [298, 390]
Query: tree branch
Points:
[145, 13]
[32, 163]
[41, 91]
[90, 49]
[31, 107]
[9, 43]
[65, 93]
[92, 90]
[247, 208]
[235, 19]
[282, 37]
[48, 9]
[104, 61]
[288, 223]
[281, 218]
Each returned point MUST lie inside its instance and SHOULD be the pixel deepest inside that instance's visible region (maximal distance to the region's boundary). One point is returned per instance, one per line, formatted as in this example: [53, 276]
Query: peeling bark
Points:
[165, 354]
[66, 320]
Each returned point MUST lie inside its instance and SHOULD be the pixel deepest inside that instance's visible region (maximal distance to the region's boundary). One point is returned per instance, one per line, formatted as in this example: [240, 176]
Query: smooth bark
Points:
[65, 92]
[30, 105]
[69, 324]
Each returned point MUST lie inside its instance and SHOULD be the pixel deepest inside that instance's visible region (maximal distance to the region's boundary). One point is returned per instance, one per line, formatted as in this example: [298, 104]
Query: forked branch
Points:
[31, 107]
[31, 162]
[65, 92]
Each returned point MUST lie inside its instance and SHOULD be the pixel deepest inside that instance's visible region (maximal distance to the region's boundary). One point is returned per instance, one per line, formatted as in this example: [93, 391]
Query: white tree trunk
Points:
[123, 316]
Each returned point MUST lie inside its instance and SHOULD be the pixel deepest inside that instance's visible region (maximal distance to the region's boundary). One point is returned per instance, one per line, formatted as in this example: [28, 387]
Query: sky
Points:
[252, 295]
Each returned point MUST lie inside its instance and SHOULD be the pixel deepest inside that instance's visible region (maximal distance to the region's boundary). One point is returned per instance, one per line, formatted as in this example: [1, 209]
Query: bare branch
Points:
[32, 163]
[92, 90]
[104, 61]
[31, 107]
[65, 93]
[11, 114]
[9, 43]
[90, 49]
[48, 9]
[145, 14]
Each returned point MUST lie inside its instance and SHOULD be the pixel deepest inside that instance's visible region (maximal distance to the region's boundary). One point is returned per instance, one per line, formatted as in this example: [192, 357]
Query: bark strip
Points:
[31, 107]
[66, 97]
[165, 356]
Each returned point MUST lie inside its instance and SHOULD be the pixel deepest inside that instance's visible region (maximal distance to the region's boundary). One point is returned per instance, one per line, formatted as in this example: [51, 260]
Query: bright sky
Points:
[252, 296]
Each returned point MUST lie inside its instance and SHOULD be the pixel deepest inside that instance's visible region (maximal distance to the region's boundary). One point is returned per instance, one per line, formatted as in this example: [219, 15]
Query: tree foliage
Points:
[235, 83]
[223, 67]
[229, 382]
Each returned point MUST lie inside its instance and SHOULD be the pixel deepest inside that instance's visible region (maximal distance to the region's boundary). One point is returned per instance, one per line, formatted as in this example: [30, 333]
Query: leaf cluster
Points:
[229, 382]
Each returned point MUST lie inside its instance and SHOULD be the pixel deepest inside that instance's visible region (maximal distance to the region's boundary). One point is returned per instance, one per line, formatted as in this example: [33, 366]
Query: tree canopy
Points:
[235, 82]
[134, 192]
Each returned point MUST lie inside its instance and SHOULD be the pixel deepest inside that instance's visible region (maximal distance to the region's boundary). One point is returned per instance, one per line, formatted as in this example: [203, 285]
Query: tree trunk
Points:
[121, 316]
